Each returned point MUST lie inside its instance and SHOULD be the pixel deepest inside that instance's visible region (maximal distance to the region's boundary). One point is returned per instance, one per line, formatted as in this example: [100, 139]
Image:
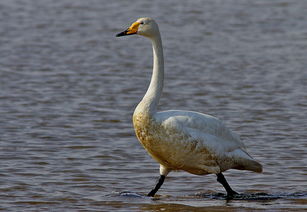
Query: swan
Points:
[197, 143]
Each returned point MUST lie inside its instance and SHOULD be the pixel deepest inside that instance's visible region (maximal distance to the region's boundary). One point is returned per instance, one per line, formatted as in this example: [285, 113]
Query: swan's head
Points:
[143, 26]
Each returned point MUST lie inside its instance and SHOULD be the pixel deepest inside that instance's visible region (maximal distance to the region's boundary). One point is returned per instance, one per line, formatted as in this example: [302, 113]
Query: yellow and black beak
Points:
[133, 29]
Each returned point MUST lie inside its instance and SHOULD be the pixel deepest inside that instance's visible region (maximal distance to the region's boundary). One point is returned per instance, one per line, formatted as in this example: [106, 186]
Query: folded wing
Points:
[208, 133]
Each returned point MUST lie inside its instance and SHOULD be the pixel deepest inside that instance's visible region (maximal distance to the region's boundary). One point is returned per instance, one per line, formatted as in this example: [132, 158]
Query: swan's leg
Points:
[221, 179]
[159, 184]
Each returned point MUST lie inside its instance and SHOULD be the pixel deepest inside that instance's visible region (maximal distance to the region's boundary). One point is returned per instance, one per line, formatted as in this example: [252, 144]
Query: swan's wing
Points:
[195, 142]
[201, 127]
[197, 133]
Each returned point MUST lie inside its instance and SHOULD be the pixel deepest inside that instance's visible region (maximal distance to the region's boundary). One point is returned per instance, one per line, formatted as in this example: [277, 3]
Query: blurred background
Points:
[68, 88]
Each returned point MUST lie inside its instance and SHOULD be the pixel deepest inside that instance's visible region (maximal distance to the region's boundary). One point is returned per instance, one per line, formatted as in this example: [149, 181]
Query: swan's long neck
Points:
[150, 101]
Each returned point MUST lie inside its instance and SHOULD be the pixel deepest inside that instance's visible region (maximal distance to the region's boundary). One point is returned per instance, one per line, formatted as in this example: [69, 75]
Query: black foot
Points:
[159, 184]
[151, 193]
[230, 193]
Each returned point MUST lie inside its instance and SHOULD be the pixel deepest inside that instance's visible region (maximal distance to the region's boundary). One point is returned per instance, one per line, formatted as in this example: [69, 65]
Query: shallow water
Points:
[69, 88]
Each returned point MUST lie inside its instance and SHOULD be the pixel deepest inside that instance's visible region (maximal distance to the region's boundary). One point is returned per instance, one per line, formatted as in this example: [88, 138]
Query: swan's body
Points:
[194, 142]
[183, 140]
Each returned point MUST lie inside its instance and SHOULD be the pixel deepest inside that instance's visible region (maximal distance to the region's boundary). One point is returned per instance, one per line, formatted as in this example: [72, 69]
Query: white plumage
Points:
[183, 140]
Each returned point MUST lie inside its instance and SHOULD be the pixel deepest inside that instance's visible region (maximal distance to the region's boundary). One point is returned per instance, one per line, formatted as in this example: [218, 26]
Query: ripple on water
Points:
[258, 200]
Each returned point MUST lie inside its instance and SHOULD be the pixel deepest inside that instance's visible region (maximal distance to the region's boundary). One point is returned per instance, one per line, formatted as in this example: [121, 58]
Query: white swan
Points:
[183, 140]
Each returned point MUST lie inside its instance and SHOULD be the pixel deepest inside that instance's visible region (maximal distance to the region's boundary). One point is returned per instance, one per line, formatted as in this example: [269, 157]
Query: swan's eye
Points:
[142, 22]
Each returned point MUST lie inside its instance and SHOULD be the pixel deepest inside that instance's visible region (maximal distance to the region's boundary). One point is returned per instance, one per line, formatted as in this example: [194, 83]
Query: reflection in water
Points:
[217, 201]
[68, 90]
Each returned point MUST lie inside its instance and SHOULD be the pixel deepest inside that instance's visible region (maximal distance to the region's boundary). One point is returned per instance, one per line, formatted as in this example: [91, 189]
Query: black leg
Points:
[160, 182]
[221, 179]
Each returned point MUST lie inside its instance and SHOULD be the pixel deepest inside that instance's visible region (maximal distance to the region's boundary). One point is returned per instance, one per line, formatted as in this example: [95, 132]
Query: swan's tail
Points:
[250, 165]
[243, 161]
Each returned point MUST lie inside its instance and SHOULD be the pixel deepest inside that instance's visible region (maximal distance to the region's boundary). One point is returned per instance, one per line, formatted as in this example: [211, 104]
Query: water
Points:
[68, 89]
